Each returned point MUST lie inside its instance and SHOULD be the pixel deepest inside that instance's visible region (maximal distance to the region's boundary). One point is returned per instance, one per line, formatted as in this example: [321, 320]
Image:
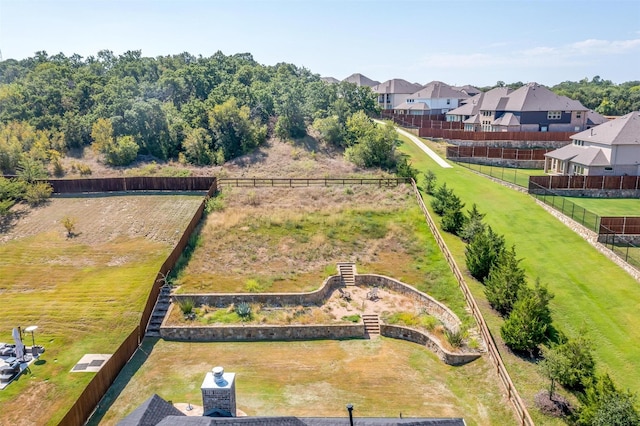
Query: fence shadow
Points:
[139, 357]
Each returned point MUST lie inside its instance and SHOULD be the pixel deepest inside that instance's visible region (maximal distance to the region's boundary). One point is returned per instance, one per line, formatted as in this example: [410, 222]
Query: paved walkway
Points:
[423, 147]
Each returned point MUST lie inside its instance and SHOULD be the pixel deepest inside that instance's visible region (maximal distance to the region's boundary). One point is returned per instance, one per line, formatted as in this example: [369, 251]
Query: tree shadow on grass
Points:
[121, 382]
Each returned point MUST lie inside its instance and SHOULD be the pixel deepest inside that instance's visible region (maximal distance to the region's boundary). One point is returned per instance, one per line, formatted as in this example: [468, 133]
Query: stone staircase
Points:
[347, 272]
[159, 312]
[371, 324]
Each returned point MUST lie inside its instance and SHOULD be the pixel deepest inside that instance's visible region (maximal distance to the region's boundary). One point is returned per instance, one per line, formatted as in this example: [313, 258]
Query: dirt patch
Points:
[103, 218]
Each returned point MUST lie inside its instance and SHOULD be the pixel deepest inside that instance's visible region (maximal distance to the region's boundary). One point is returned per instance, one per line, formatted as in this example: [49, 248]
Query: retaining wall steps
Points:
[371, 324]
[347, 272]
[159, 312]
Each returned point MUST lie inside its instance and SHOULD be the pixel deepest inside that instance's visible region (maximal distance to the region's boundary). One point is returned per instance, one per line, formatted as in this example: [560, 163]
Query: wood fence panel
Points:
[134, 183]
[626, 225]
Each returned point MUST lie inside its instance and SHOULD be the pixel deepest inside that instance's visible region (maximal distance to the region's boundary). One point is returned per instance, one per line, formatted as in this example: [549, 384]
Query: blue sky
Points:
[460, 42]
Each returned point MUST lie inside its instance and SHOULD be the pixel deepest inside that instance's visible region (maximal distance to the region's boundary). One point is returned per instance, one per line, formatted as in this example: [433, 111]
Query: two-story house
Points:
[531, 108]
[434, 98]
[392, 93]
[612, 148]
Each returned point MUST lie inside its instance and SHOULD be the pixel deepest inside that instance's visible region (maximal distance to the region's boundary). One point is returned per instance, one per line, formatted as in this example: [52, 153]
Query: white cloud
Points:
[573, 54]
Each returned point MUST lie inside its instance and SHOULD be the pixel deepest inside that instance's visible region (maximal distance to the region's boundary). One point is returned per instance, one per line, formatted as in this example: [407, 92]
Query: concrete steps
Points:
[159, 312]
[347, 272]
[371, 324]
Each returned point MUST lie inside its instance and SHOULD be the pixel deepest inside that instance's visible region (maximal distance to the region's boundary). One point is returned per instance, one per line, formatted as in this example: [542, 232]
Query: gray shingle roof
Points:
[487, 101]
[585, 156]
[414, 106]
[361, 80]
[624, 130]
[397, 85]
[150, 413]
[534, 97]
[330, 80]
[507, 119]
[439, 90]
[593, 118]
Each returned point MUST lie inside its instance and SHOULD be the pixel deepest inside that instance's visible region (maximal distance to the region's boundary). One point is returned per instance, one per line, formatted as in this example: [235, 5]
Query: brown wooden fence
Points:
[625, 225]
[135, 183]
[483, 151]
[297, 182]
[584, 182]
[98, 386]
[495, 136]
[424, 121]
[492, 349]
[96, 389]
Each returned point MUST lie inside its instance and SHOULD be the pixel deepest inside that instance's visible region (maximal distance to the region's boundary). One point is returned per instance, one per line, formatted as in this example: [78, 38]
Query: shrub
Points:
[405, 169]
[454, 338]
[69, 224]
[186, 305]
[38, 193]
[252, 286]
[429, 322]
[483, 252]
[122, 152]
[430, 180]
[351, 318]
[5, 206]
[505, 281]
[215, 204]
[244, 311]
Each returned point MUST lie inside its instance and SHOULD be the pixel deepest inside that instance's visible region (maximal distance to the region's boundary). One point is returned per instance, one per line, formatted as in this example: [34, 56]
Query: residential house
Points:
[434, 98]
[470, 112]
[330, 80]
[392, 93]
[531, 108]
[467, 89]
[361, 80]
[612, 148]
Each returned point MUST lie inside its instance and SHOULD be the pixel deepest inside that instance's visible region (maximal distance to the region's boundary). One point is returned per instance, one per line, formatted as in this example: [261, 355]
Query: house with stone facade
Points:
[434, 98]
[531, 108]
[612, 148]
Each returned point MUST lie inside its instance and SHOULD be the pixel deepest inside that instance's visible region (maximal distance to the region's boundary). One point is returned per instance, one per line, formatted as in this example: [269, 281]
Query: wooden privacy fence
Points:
[625, 225]
[424, 121]
[584, 182]
[483, 151]
[96, 389]
[98, 386]
[495, 136]
[135, 183]
[297, 182]
[492, 349]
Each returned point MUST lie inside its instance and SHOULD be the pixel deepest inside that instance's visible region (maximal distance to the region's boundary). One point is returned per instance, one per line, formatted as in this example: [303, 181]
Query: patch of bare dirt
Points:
[103, 218]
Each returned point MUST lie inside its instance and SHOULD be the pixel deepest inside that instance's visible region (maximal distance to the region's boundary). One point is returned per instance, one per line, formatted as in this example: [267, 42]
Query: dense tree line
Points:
[597, 94]
[201, 110]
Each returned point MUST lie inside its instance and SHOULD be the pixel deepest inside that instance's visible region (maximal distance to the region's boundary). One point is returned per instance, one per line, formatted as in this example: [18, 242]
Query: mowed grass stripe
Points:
[85, 293]
[593, 295]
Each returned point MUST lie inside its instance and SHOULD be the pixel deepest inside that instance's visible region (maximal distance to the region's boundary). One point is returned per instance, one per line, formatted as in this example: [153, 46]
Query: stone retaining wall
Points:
[262, 332]
[500, 162]
[511, 144]
[433, 307]
[222, 300]
[590, 193]
[423, 338]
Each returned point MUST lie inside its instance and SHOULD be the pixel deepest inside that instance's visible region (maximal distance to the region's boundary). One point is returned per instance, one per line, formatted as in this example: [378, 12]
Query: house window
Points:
[578, 170]
[578, 114]
[554, 115]
[578, 142]
[448, 101]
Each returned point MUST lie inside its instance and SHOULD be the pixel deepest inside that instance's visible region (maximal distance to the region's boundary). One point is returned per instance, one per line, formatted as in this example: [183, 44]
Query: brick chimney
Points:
[219, 393]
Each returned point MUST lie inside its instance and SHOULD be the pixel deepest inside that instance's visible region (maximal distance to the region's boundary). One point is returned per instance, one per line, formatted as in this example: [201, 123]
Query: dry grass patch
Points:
[380, 377]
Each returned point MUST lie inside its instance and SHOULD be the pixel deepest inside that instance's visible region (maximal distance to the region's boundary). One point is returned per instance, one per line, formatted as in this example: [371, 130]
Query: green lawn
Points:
[381, 377]
[593, 296]
[610, 206]
[85, 293]
[519, 177]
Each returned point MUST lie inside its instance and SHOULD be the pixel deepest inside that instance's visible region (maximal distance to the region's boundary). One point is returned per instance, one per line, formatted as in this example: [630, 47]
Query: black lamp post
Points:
[350, 409]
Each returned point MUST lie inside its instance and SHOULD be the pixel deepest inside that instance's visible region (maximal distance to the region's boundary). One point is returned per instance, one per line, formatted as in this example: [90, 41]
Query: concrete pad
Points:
[90, 363]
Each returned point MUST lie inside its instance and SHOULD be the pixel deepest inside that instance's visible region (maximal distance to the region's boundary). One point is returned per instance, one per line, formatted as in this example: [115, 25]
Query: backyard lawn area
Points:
[519, 177]
[609, 206]
[381, 377]
[593, 296]
[85, 293]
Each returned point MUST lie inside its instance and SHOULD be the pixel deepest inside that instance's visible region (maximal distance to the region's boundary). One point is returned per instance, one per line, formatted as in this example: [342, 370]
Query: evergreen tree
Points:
[483, 252]
[505, 281]
[473, 225]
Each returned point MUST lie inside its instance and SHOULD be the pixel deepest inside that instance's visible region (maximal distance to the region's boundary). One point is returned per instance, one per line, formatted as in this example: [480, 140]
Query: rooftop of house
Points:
[623, 130]
[584, 155]
[468, 89]
[535, 97]
[361, 80]
[155, 411]
[438, 90]
[486, 101]
[396, 85]
[413, 106]
[330, 80]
